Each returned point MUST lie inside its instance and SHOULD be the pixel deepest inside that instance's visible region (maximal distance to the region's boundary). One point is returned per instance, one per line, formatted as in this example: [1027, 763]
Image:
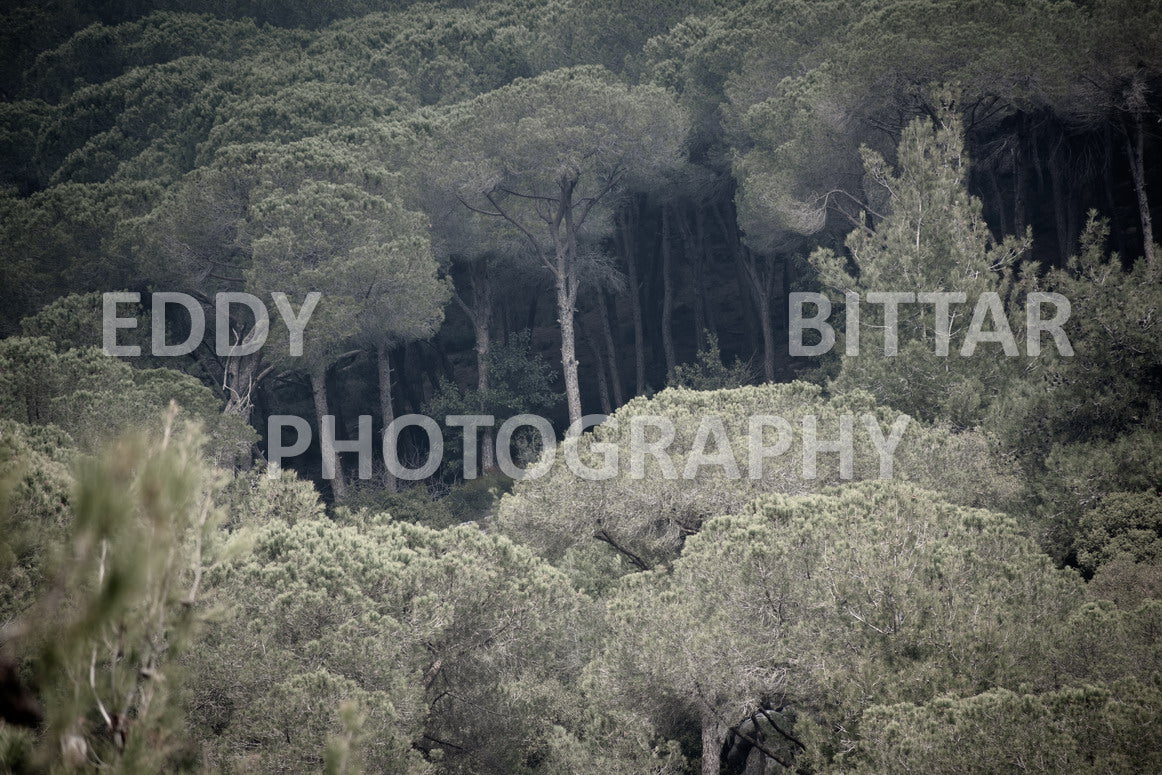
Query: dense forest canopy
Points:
[863, 298]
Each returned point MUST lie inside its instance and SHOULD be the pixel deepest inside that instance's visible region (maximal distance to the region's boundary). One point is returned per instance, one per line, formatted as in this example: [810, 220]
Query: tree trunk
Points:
[481, 326]
[411, 400]
[695, 257]
[440, 357]
[1060, 203]
[531, 317]
[667, 295]
[768, 328]
[565, 245]
[756, 763]
[1019, 182]
[701, 309]
[1117, 232]
[427, 363]
[782, 330]
[635, 302]
[319, 393]
[565, 315]
[1135, 149]
[999, 200]
[386, 412]
[241, 376]
[746, 311]
[240, 382]
[602, 382]
[713, 738]
[610, 349]
[1035, 159]
[761, 282]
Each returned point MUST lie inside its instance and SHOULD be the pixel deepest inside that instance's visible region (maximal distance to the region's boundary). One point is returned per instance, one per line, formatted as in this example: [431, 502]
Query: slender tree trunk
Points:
[746, 311]
[531, 317]
[783, 328]
[610, 349]
[667, 295]
[699, 301]
[427, 365]
[481, 326]
[635, 299]
[319, 394]
[1001, 210]
[1117, 231]
[713, 738]
[1060, 204]
[1135, 149]
[1019, 182]
[603, 391]
[386, 412]
[602, 382]
[411, 401]
[696, 259]
[565, 245]
[565, 317]
[1035, 158]
[1038, 168]
[756, 764]
[440, 358]
[240, 378]
[767, 325]
[704, 301]
[761, 284]
[746, 298]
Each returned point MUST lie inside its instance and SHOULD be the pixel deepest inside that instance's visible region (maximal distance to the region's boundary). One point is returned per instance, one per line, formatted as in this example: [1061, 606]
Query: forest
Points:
[392, 387]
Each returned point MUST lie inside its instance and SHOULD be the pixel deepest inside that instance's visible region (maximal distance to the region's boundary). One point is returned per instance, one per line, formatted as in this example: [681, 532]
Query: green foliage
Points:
[1088, 729]
[646, 519]
[104, 632]
[438, 55]
[606, 33]
[827, 604]
[1123, 524]
[1022, 51]
[520, 382]
[578, 120]
[476, 500]
[1110, 386]
[786, 186]
[414, 505]
[364, 149]
[253, 498]
[1106, 640]
[94, 397]
[36, 487]
[1091, 425]
[72, 322]
[931, 238]
[102, 52]
[65, 239]
[1127, 583]
[709, 372]
[426, 630]
[363, 252]
[473, 500]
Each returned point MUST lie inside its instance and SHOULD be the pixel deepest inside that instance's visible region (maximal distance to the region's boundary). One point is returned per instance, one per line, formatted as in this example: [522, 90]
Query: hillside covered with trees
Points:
[245, 245]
